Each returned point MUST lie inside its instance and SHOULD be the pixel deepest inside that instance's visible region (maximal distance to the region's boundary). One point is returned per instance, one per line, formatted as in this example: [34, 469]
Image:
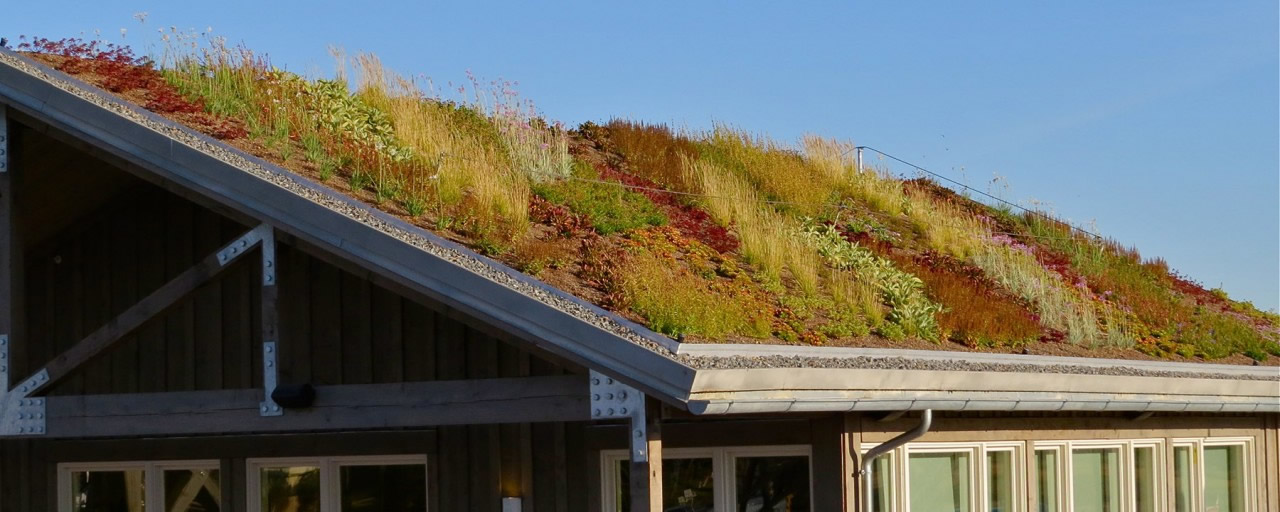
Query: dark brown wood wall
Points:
[336, 327]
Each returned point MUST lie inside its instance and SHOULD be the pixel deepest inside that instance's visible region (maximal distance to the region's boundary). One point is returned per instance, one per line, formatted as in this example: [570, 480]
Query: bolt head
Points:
[623, 410]
[596, 413]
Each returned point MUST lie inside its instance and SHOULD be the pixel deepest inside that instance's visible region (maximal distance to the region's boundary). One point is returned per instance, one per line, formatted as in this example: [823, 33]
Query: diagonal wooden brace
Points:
[131, 319]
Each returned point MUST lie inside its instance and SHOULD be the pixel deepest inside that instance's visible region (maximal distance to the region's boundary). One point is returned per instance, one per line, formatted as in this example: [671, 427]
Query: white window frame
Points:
[152, 476]
[330, 494]
[1198, 445]
[1160, 464]
[722, 466]
[1122, 448]
[978, 471]
[1034, 476]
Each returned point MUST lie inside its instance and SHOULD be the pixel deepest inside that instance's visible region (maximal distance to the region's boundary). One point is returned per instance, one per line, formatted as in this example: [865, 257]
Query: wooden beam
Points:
[131, 319]
[11, 247]
[646, 475]
[345, 407]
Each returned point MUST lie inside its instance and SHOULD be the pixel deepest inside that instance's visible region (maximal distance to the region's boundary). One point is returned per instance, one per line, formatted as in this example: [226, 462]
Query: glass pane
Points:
[882, 483]
[1048, 484]
[1224, 479]
[1144, 478]
[772, 484]
[940, 482]
[187, 490]
[392, 488]
[686, 485]
[1096, 480]
[1182, 478]
[1000, 481]
[291, 489]
[107, 491]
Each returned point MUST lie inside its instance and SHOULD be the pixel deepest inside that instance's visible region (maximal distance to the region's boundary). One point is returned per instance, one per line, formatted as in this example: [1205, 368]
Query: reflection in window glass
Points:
[1096, 478]
[1144, 478]
[1047, 482]
[940, 481]
[391, 488]
[1224, 478]
[687, 485]
[107, 491]
[772, 484]
[1000, 481]
[290, 489]
[882, 483]
[188, 490]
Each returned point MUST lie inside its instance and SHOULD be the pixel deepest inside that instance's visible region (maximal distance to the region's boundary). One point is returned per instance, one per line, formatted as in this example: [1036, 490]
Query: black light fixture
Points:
[294, 396]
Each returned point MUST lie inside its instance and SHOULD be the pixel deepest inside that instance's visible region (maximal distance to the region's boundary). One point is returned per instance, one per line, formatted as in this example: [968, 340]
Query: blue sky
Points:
[1158, 121]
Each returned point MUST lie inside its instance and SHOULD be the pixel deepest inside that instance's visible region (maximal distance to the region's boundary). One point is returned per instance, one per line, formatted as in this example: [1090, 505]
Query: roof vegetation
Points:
[707, 236]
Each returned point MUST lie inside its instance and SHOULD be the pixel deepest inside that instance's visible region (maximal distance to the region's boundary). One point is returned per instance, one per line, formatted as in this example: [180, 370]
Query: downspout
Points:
[926, 421]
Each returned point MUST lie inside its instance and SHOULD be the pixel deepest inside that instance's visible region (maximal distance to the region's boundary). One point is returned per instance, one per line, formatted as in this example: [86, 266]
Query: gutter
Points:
[926, 422]
[786, 390]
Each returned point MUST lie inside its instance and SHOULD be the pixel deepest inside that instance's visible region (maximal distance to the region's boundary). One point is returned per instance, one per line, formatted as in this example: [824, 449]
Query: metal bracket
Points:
[225, 255]
[4, 142]
[19, 415]
[269, 407]
[4, 364]
[611, 399]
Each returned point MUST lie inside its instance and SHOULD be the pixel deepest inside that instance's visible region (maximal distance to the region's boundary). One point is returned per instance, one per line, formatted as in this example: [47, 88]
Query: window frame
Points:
[1123, 450]
[1197, 445]
[330, 467]
[1162, 475]
[1033, 472]
[979, 471]
[723, 467]
[152, 476]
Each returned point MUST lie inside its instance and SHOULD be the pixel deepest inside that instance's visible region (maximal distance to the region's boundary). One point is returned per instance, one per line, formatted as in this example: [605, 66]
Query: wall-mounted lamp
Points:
[511, 504]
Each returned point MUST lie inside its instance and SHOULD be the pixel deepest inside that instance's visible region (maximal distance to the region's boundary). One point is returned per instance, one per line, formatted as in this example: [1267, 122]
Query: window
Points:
[1001, 481]
[940, 481]
[1224, 478]
[1095, 479]
[1146, 478]
[1184, 485]
[1213, 475]
[763, 479]
[1048, 470]
[882, 483]
[183, 486]
[339, 484]
[954, 477]
[688, 482]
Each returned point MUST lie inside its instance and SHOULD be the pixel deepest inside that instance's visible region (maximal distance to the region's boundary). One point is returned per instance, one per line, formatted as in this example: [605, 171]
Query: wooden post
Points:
[835, 468]
[646, 458]
[8, 244]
